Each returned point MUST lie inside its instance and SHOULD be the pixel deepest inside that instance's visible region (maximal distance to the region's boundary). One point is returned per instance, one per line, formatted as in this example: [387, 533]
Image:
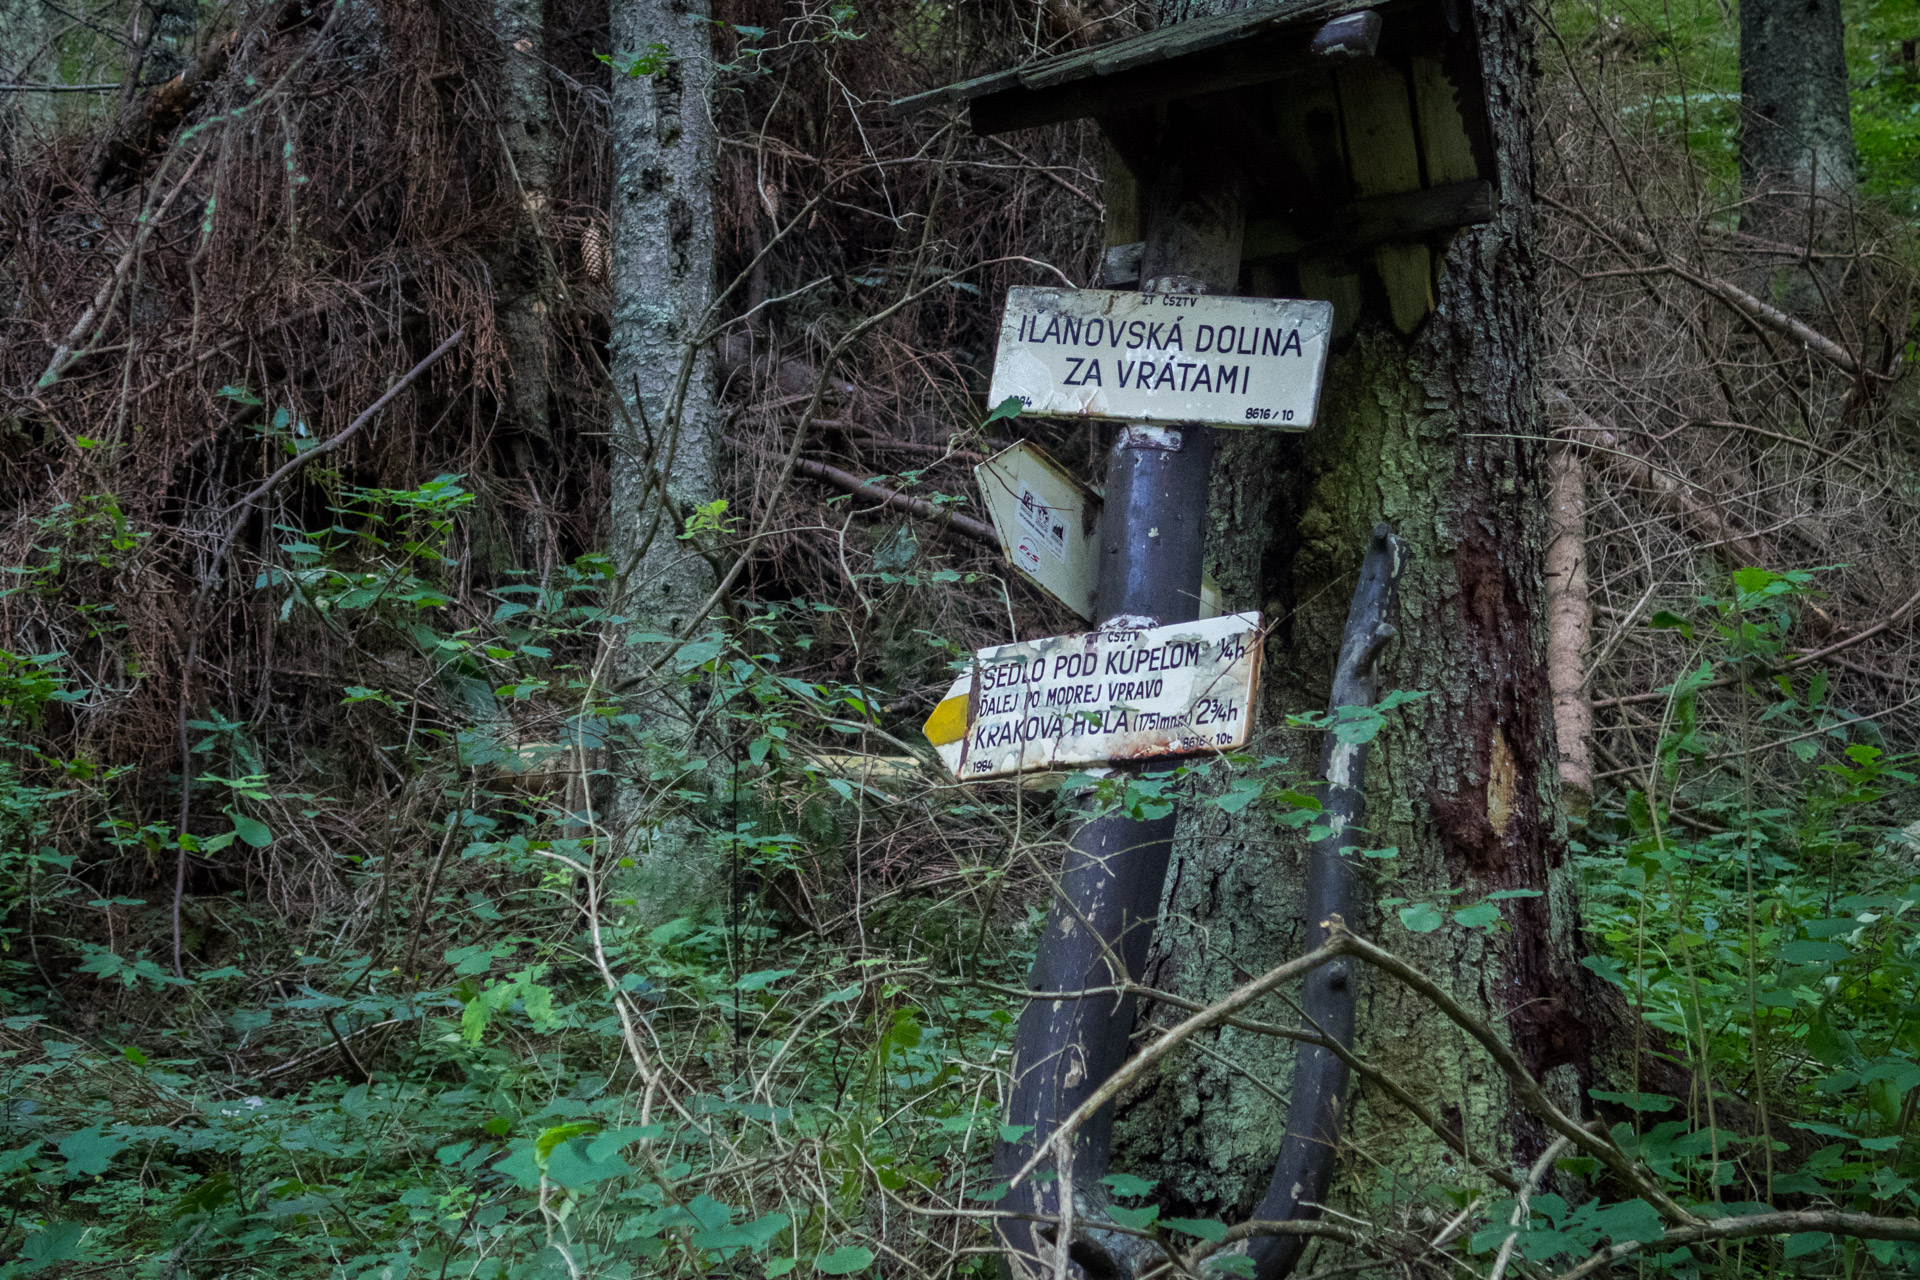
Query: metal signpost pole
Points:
[1098, 928]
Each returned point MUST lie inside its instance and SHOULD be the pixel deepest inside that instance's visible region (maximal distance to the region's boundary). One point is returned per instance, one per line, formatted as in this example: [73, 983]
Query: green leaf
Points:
[1242, 793]
[1807, 951]
[572, 1164]
[780, 1266]
[615, 1141]
[1238, 1265]
[1635, 1220]
[90, 1151]
[1664, 621]
[1802, 1243]
[757, 1234]
[1206, 1228]
[1655, 1102]
[844, 1261]
[1125, 1184]
[550, 1138]
[1138, 1219]
[1606, 967]
[1481, 915]
[252, 830]
[1420, 918]
[1014, 1132]
[1008, 408]
[56, 1242]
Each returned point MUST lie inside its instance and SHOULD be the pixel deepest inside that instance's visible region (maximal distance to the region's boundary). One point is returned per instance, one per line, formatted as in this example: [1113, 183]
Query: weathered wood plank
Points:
[1443, 133]
[1382, 156]
[1333, 280]
[1405, 215]
[1147, 49]
[1307, 123]
[1256, 62]
[1376, 105]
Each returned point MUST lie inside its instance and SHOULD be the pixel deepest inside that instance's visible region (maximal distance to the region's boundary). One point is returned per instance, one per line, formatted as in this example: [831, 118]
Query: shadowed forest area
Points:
[490, 511]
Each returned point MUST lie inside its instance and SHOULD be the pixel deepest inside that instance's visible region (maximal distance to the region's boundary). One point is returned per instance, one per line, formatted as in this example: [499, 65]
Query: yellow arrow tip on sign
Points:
[948, 723]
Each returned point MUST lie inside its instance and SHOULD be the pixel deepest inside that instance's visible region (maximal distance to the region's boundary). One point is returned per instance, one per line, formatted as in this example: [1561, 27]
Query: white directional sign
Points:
[1162, 357]
[1047, 522]
[1177, 690]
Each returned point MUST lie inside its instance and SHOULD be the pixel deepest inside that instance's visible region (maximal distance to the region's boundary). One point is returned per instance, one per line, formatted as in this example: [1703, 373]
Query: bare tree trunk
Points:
[1569, 620]
[528, 276]
[27, 56]
[1796, 145]
[665, 427]
[1796, 133]
[1430, 422]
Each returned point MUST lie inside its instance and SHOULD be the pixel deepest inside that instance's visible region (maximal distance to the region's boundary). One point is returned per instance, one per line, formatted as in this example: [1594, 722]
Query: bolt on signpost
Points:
[1152, 681]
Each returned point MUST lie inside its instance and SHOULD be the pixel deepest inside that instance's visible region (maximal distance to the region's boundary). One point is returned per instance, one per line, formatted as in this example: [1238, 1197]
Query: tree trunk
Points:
[665, 424]
[1435, 432]
[527, 273]
[1570, 619]
[1796, 143]
[1796, 134]
[27, 56]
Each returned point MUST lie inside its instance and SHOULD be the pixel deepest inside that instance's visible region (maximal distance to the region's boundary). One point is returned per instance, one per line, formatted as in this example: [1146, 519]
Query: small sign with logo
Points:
[1047, 522]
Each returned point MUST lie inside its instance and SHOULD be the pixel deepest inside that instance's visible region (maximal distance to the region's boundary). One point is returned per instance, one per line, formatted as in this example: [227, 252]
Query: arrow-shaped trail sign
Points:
[1184, 689]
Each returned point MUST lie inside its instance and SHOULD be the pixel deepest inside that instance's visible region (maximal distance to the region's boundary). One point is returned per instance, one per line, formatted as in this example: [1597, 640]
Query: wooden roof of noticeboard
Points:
[1248, 46]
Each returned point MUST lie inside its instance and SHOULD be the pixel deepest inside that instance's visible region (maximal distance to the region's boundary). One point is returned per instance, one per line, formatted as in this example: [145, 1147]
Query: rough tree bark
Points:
[665, 420]
[1796, 134]
[527, 273]
[1435, 432]
[1796, 143]
[26, 58]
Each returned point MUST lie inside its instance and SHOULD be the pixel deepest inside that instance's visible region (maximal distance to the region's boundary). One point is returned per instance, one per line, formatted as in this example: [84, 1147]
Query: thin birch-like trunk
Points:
[665, 421]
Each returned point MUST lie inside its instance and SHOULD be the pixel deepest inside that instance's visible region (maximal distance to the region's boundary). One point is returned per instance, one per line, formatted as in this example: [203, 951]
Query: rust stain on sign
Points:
[1183, 689]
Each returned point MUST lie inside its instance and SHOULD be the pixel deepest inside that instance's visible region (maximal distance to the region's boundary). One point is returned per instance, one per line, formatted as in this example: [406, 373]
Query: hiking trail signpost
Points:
[1103, 696]
[1327, 148]
[1194, 360]
[1047, 521]
[1168, 358]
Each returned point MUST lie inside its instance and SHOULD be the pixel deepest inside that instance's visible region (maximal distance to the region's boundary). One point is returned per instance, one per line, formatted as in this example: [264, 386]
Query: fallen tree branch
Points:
[75, 345]
[978, 530]
[1342, 941]
[1706, 523]
[352, 429]
[1804, 659]
[1859, 1225]
[1529, 1090]
[1137, 1065]
[1762, 314]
